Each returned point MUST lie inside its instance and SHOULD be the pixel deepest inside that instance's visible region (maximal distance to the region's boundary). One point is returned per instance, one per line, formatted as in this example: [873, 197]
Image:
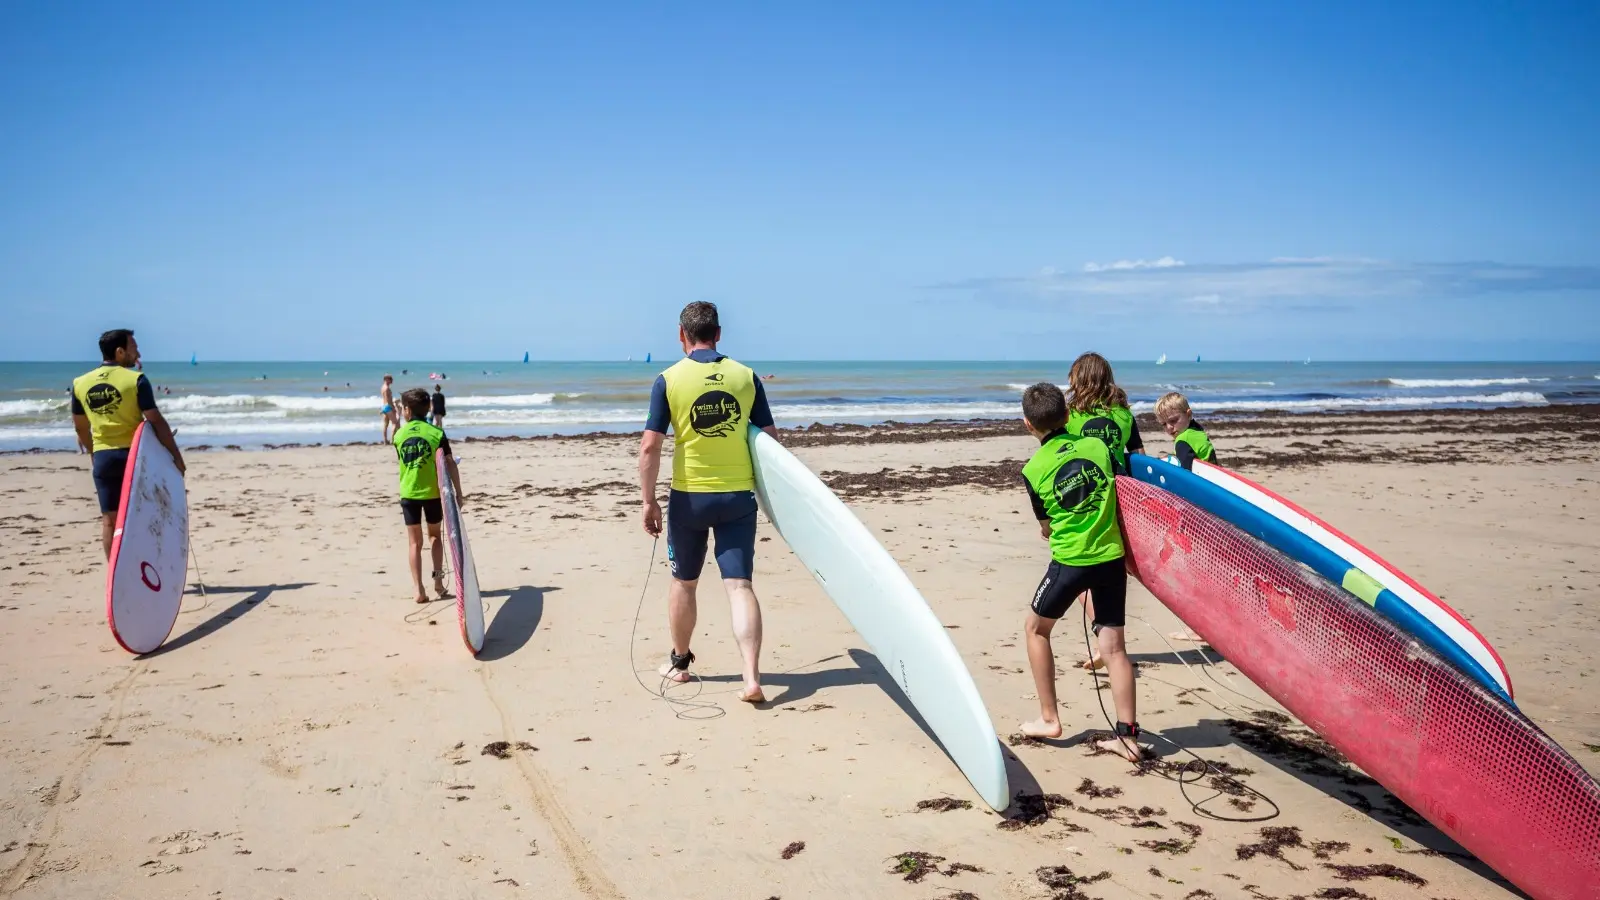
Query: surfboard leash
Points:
[199, 580]
[690, 707]
[1224, 784]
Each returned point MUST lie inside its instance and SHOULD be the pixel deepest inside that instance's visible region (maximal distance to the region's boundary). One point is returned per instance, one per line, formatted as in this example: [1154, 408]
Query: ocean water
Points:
[254, 404]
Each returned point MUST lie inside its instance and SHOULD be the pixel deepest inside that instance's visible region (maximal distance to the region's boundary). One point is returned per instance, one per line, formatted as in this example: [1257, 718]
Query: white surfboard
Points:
[886, 610]
[149, 563]
[469, 604]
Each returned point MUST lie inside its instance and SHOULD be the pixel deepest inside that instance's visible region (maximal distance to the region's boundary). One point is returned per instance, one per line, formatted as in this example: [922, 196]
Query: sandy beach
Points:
[308, 731]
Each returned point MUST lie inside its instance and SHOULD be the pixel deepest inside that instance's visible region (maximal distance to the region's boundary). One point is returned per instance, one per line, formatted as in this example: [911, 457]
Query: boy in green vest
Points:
[107, 406]
[1189, 439]
[1189, 443]
[709, 402]
[416, 444]
[1071, 483]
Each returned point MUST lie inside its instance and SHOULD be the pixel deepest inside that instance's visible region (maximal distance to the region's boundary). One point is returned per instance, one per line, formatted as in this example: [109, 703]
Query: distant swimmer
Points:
[438, 406]
[709, 402]
[107, 406]
[386, 395]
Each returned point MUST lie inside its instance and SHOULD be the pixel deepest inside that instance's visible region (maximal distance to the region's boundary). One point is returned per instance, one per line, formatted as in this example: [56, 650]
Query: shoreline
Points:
[1577, 420]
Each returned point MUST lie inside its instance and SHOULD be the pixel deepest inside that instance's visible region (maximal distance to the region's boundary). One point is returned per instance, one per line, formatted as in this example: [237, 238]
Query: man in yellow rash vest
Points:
[709, 402]
[107, 406]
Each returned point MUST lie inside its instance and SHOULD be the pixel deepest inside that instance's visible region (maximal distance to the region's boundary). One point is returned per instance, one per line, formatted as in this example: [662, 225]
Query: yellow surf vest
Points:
[710, 404]
[109, 397]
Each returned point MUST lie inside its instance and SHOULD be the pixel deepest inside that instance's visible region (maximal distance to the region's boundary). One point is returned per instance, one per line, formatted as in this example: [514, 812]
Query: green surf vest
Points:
[1198, 441]
[1073, 477]
[1113, 426]
[110, 399]
[710, 404]
[416, 443]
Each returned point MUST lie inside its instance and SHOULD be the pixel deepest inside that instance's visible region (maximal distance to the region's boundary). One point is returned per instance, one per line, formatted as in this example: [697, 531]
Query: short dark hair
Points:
[416, 402]
[438, 389]
[114, 340]
[1044, 406]
[699, 322]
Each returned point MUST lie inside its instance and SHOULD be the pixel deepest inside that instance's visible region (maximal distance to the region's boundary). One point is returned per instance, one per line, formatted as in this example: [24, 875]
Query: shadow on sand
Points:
[514, 622]
[254, 597]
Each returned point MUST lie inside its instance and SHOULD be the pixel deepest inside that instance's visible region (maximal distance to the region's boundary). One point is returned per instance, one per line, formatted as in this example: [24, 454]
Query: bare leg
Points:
[108, 526]
[681, 614]
[438, 560]
[414, 557]
[1120, 668]
[1095, 660]
[1036, 631]
[747, 631]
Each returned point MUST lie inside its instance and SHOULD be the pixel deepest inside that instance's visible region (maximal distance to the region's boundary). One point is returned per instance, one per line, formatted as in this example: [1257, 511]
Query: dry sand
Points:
[309, 732]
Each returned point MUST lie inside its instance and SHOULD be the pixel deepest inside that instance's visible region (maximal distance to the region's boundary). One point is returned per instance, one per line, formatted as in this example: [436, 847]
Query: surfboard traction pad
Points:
[1453, 751]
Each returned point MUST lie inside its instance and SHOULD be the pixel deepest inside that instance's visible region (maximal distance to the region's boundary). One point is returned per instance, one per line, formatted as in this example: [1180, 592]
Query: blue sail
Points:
[524, 356]
[647, 357]
[192, 360]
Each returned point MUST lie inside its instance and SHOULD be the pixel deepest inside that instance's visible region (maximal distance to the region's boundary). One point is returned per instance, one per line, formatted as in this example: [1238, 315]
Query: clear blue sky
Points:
[370, 181]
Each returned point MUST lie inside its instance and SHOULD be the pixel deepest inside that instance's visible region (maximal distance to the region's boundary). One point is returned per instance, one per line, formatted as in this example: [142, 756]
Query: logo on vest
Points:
[103, 399]
[714, 378]
[1104, 428]
[1080, 486]
[714, 414]
[414, 451]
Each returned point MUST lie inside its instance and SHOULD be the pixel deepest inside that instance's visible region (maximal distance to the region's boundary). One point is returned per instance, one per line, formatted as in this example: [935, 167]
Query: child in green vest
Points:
[1071, 483]
[1097, 407]
[1190, 442]
[416, 444]
[1189, 438]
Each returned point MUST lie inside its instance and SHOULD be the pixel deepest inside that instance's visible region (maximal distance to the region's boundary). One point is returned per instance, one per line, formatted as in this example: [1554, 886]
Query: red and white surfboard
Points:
[149, 564]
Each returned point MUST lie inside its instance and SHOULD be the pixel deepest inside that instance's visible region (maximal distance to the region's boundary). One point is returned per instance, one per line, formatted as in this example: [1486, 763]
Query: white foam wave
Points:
[1019, 388]
[1508, 398]
[18, 408]
[800, 413]
[1458, 382]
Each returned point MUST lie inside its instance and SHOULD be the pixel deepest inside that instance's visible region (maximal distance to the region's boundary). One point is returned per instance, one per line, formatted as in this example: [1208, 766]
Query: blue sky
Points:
[370, 181]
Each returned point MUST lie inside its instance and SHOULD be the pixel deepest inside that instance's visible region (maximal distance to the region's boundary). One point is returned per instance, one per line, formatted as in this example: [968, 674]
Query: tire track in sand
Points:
[67, 788]
[587, 873]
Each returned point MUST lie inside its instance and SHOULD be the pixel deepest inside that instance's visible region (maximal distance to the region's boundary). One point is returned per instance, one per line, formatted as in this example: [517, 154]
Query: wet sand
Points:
[309, 732]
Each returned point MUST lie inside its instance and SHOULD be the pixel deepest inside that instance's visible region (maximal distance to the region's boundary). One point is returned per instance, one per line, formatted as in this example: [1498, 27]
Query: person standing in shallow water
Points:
[108, 404]
[391, 419]
[709, 402]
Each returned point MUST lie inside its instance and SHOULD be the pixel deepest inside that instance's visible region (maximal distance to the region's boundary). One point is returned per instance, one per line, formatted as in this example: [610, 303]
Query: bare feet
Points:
[1125, 747]
[439, 588]
[1039, 728]
[671, 674]
[422, 598]
[752, 694]
[1189, 635]
[1094, 663]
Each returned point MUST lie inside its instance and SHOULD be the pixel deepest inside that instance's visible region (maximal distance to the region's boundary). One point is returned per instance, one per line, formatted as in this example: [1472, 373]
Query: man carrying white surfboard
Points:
[709, 402]
[108, 404]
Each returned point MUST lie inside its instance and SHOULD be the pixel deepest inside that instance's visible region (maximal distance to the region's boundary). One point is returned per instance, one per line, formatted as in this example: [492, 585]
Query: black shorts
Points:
[1107, 584]
[109, 466]
[415, 510]
[691, 520]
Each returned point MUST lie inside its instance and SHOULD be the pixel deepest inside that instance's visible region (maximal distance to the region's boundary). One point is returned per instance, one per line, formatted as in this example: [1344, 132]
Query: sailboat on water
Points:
[524, 357]
[193, 360]
[647, 357]
[1162, 361]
